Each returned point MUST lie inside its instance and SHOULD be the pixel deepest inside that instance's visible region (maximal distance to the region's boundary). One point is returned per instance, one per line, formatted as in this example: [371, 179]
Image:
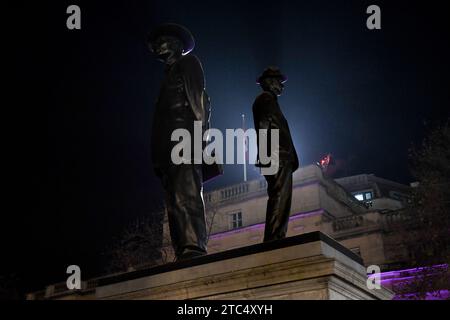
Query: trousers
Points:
[279, 189]
[184, 202]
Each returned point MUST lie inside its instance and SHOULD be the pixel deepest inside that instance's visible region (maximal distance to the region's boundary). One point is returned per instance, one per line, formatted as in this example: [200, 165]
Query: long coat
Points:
[183, 83]
[267, 115]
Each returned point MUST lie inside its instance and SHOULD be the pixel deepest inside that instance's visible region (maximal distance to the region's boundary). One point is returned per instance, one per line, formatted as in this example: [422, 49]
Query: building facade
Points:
[358, 211]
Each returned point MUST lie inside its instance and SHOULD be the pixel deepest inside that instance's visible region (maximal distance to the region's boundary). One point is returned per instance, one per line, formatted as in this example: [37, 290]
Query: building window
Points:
[363, 196]
[236, 220]
[359, 196]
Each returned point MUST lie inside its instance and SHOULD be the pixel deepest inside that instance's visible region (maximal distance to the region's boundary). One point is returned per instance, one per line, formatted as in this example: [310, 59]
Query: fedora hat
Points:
[174, 30]
[271, 72]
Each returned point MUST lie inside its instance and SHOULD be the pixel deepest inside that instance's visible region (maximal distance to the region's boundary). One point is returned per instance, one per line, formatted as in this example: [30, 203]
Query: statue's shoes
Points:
[190, 254]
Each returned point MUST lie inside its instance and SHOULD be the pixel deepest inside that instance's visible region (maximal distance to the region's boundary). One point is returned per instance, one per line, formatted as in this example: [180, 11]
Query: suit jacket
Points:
[267, 115]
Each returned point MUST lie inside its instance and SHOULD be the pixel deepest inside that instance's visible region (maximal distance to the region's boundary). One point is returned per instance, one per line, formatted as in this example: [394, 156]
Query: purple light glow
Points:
[391, 277]
[445, 294]
[391, 280]
[401, 275]
[306, 214]
[412, 270]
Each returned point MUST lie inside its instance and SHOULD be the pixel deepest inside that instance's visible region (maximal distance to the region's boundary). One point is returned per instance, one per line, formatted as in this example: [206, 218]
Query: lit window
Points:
[363, 196]
[236, 220]
[359, 196]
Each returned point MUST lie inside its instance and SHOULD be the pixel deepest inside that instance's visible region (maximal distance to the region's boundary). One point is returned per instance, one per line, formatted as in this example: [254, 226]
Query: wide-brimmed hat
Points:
[174, 30]
[271, 72]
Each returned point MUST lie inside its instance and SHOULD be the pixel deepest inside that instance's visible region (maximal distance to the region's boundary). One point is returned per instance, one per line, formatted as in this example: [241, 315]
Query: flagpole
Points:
[245, 151]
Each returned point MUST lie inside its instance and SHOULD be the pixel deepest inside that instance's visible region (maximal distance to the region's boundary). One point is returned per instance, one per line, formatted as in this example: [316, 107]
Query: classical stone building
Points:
[357, 211]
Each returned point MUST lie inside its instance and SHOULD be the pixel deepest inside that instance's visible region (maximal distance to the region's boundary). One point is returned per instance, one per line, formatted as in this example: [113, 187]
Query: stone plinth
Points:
[308, 266]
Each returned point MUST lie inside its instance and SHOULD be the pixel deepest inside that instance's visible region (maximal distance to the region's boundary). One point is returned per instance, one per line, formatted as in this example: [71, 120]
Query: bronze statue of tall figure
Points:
[267, 115]
[182, 100]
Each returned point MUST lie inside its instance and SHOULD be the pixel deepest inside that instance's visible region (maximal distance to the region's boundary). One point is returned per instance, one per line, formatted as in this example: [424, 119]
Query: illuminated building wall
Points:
[236, 214]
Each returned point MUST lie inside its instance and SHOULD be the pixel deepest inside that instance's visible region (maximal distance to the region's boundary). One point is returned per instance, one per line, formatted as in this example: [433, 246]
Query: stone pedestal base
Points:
[309, 266]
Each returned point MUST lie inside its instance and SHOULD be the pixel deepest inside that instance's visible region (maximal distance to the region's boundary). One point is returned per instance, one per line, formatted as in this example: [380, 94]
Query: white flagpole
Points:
[245, 151]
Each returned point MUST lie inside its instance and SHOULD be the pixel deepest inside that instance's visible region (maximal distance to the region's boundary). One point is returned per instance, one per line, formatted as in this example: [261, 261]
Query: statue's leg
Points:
[279, 189]
[169, 194]
[187, 213]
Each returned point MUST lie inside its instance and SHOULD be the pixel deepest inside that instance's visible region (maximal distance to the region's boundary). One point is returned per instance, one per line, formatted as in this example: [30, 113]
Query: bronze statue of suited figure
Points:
[182, 100]
[268, 115]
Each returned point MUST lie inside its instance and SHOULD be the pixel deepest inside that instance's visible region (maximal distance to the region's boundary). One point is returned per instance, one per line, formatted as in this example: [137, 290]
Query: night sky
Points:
[79, 106]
